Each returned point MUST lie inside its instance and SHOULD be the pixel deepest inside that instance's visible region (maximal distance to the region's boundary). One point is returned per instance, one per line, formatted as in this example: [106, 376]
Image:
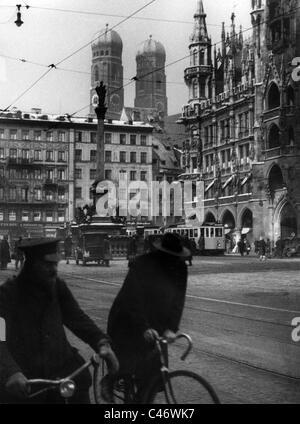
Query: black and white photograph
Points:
[149, 204]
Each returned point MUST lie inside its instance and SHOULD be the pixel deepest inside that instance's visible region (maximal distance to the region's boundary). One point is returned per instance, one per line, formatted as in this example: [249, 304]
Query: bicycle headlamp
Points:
[67, 388]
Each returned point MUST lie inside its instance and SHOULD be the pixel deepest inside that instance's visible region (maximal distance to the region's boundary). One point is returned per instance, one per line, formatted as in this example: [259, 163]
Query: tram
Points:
[209, 239]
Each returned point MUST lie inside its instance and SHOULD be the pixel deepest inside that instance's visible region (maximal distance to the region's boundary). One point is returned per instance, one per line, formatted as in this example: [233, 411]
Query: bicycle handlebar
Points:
[179, 336]
[66, 385]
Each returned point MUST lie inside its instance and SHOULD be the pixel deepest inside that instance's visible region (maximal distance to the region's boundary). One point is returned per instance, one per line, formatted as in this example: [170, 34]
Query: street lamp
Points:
[19, 21]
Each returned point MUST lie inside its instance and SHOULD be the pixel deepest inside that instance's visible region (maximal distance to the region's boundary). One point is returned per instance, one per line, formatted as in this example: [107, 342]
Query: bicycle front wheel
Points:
[186, 388]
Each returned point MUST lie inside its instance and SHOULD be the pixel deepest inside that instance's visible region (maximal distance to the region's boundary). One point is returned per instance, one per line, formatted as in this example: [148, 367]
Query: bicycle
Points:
[168, 387]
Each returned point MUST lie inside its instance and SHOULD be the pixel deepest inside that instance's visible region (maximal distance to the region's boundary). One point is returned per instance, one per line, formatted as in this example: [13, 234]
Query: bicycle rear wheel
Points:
[187, 387]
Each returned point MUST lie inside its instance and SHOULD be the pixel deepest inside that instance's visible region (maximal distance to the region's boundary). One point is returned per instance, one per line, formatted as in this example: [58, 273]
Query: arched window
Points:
[195, 89]
[274, 137]
[291, 136]
[228, 220]
[247, 219]
[96, 73]
[195, 57]
[209, 219]
[202, 57]
[273, 96]
[275, 180]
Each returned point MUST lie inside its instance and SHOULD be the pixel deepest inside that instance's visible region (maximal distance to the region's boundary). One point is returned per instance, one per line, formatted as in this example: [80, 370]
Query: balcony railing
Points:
[281, 151]
[196, 70]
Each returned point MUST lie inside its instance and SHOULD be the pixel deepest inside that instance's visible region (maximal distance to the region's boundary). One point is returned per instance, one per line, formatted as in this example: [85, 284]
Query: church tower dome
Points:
[107, 67]
[150, 89]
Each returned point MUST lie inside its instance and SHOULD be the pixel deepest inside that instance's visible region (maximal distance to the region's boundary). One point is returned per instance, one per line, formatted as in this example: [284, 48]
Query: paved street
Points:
[238, 312]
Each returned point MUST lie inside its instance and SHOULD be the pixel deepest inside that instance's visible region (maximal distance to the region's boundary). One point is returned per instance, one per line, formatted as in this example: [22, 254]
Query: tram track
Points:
[207, 353]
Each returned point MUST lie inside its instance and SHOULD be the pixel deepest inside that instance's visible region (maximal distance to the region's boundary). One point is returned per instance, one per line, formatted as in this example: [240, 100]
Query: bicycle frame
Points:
[162, 347]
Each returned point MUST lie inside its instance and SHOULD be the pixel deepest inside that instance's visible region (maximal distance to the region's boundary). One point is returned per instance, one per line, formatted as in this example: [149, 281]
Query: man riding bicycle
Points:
[36, 305]
[150, 303]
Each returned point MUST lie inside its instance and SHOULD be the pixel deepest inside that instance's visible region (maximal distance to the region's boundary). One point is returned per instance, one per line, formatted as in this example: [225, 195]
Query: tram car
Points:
[209, 239]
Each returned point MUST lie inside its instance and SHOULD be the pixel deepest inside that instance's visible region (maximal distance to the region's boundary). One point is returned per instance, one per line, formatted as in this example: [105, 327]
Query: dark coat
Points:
[4, 251]
[262, 247]
[152, 296]
[36, 342]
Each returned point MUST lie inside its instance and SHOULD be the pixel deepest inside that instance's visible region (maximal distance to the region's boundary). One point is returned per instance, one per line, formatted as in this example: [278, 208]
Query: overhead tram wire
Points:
[28, 89]
[54, 66]
[110, 15]
[110, 29]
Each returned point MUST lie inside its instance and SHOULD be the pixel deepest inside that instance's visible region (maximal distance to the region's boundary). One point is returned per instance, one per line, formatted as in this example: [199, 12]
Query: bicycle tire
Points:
[188, 388]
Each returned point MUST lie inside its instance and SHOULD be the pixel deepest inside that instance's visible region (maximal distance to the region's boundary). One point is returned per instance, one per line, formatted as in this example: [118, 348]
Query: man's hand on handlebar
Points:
[105, 351]
[17, 385]
[170, 336]
[151, 335]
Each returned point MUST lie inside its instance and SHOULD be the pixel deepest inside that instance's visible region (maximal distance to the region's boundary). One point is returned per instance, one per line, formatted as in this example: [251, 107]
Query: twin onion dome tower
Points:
[150, 78]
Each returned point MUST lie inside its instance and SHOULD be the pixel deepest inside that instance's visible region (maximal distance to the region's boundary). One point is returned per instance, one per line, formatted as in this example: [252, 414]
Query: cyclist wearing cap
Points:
[150, 303]
[36, 305]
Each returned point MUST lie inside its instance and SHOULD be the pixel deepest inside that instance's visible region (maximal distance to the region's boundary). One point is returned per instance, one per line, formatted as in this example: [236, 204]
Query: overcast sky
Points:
[47, 37]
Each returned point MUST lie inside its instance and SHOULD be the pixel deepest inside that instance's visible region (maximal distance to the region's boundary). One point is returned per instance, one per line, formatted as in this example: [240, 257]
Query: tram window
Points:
[195, 233]
[212, 232]
[207, 232]
[182, 232]
[202, 232]
[218, 232]
[191, 233]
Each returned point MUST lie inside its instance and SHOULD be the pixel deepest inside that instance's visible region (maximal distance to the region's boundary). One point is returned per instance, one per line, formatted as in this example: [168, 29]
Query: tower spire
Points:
[200, 29]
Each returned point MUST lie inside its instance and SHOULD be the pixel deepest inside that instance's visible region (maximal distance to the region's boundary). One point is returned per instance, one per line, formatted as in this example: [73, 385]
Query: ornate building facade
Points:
[243, 122]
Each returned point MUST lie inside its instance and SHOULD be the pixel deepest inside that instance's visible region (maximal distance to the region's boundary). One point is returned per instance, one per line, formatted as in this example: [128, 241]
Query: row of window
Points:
[36, 155]
[123, 139]
[133, 175]
[225, 131]
[225, 157]
[108, 156]
[60, 136]
[35, 216]
[36, 135]
[36, 174]
[23, 194]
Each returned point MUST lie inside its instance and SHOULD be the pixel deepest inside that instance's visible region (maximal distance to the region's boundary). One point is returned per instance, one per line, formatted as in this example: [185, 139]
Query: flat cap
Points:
[41, 248]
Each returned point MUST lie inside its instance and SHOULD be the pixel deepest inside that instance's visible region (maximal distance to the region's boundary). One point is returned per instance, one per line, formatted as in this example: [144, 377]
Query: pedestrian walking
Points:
[36, 305]
[262, 249]
[187, 244]
[241, 247]
[19, 255]
[201, 245]
[5, 252]
[68, 248]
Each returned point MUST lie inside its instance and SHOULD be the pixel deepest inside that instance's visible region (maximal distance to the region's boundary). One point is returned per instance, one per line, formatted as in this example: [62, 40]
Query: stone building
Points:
[243, 121]
[36, 173]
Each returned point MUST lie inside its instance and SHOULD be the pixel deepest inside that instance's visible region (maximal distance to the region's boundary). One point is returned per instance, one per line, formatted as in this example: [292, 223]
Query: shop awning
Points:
[246, 230]
[228, 231]
[227, 182]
